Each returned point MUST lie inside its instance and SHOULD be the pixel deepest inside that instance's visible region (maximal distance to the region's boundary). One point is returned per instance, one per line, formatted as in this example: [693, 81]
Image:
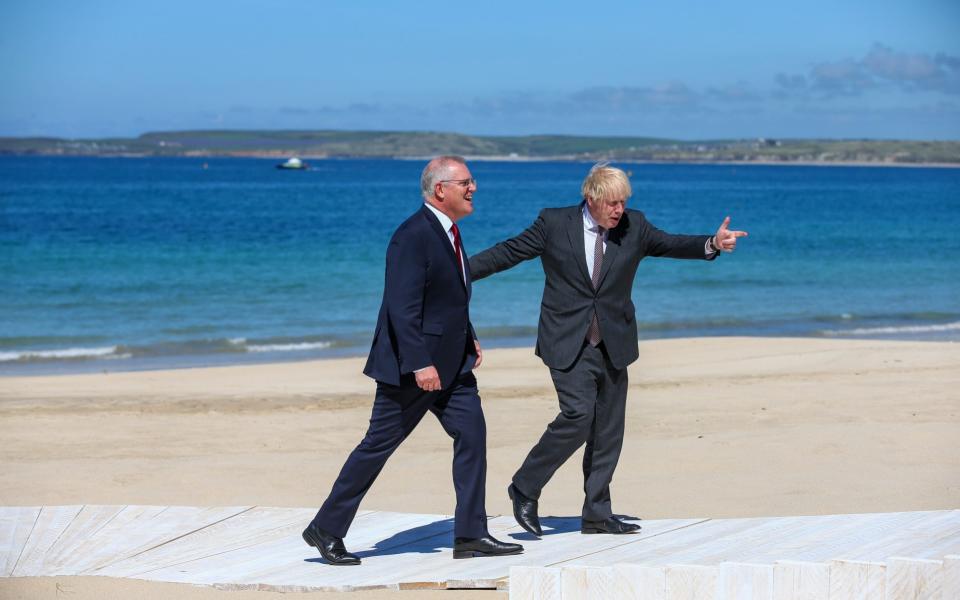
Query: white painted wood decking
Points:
[908, 555]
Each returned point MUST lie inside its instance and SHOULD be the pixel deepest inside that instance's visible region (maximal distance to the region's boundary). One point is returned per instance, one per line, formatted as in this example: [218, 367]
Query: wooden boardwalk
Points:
[886, 555]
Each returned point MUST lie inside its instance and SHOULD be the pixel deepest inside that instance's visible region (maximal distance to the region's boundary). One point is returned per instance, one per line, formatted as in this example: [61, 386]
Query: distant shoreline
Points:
[764, 163]
[507, 158]
[417, 145]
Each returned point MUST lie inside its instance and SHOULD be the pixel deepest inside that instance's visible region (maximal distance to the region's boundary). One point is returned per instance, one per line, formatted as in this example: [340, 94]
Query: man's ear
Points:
[438, 191]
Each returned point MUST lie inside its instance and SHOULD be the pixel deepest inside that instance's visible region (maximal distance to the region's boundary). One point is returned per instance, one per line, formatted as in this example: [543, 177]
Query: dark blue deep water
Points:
[116, 263]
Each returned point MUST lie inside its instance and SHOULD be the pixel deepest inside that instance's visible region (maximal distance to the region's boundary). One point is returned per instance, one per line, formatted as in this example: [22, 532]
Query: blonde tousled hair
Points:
[604, 182]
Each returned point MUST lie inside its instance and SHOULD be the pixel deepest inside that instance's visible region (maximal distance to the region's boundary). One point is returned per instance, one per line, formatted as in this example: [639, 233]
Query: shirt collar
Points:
[445, 221]
[588, 222]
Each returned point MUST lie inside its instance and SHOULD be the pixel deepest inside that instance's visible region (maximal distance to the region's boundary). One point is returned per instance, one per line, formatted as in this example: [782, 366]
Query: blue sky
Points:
[683, 69]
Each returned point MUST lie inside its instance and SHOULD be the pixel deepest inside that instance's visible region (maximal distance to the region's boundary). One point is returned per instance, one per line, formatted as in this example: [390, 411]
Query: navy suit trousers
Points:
[396, 412]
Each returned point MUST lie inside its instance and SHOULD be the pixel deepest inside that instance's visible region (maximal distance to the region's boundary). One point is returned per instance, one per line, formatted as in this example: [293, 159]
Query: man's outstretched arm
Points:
[509, 253]
[671, 245]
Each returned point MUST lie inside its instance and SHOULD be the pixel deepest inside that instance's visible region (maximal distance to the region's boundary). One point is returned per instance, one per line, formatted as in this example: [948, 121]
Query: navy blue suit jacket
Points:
[424, 317]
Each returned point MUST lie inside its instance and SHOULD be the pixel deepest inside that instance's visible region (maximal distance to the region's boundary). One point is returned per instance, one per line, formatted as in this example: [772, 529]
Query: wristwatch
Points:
[713, 246]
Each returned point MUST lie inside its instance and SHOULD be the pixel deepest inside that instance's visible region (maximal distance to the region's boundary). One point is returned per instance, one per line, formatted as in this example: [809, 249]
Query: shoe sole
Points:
[591, 530]
[516, 517]
[478, 554]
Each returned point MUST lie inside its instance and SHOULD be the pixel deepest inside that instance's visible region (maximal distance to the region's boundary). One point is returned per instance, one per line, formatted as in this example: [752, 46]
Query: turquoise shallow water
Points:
[115, 263]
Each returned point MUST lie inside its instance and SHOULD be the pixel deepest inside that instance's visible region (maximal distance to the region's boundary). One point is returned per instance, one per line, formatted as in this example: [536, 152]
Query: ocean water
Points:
[124, 263]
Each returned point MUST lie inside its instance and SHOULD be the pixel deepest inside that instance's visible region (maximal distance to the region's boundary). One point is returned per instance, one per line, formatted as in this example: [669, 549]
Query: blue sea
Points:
[140, 263]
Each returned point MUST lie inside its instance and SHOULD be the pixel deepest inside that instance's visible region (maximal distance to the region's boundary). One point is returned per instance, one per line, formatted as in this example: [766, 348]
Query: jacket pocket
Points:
[432, 328]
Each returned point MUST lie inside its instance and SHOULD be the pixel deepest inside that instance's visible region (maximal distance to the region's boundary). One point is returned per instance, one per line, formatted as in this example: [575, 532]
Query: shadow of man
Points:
[423, 539]
[555, 525]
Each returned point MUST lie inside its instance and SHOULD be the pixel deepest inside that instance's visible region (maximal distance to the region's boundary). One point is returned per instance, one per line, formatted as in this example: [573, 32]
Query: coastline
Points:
[106, 360]
[274, 155]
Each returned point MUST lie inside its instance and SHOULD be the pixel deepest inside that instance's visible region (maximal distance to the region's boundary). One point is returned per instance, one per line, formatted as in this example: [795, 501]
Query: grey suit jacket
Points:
[569, 299]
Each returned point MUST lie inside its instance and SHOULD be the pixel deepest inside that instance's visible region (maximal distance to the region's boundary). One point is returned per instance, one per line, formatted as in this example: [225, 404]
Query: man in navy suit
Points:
[422, 358]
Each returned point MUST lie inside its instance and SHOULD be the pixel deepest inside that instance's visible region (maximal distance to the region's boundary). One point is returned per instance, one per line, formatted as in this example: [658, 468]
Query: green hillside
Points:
[418, 144]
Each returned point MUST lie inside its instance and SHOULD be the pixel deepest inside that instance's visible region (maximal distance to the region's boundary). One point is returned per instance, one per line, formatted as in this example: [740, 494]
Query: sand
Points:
[716, 427]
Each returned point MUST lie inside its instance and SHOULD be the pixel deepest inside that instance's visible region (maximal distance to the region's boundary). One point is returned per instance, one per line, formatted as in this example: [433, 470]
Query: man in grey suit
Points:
[587, 334]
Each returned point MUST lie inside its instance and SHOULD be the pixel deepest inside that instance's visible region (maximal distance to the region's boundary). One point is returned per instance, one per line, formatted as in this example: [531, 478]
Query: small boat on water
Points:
[293, 164]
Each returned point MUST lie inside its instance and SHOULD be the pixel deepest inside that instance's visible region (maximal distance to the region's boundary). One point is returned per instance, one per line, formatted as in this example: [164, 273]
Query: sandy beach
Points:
[716, 427]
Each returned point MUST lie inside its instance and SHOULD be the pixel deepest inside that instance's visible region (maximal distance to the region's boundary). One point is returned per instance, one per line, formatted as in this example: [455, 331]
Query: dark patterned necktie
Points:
[593, 334]
[456, 247]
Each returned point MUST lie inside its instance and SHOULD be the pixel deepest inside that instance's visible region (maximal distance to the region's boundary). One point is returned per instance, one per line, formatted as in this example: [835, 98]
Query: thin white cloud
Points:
[881, 67]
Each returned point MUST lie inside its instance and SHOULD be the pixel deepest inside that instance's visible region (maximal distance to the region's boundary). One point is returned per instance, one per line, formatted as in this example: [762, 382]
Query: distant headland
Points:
[321, 144]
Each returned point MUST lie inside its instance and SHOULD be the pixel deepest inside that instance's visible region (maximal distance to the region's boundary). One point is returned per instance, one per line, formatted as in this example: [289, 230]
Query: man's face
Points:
[455, 194]
[607, 212]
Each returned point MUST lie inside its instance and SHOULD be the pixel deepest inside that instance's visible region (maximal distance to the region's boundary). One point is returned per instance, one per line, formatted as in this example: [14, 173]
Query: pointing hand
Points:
[726, 239]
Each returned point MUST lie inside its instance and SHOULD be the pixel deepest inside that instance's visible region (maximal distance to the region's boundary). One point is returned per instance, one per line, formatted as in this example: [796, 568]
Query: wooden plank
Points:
[139, 529]
[640, 582]
[857, 580]
[691, 582]
[587, 583]
[251, 528]
[602, 583]
[914, 579]
[744, 581]
[286, 563]
[601, 550]
[793, 580]
[951, 576]
[51, 523]
[78, 542]
[260, 548]
[535, 583]
[574, 583]
[561, 549]
[809, 539]
[706, 542]
[456, 583]
[16, 523]
[928, 534]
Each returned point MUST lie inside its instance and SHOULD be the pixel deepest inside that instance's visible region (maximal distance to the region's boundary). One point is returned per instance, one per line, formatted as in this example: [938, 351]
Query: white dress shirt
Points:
[590, 230]
[447, 224]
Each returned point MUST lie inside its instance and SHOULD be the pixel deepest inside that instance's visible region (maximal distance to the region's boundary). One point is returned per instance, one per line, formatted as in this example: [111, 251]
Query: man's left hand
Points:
[476, 344]
[726, 239]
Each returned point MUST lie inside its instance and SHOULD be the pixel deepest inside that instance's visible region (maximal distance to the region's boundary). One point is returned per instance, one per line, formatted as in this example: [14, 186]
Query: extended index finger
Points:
[738, 233]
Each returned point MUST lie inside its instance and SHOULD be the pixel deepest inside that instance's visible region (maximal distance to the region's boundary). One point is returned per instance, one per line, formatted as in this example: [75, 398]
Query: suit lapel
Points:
[575, 234]
[614, 239]
[438, 229]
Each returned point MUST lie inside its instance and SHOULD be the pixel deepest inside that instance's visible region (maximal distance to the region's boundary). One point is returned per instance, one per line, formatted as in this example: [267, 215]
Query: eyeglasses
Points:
[463, 182]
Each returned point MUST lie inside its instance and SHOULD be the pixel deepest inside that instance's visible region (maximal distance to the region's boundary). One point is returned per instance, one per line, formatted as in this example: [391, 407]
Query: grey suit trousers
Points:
[593, 398]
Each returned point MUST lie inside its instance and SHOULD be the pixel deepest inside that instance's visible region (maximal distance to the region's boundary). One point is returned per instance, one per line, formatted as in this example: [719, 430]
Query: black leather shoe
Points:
[525, 511]
[330, 546]
[608, 525]
[484, 546]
